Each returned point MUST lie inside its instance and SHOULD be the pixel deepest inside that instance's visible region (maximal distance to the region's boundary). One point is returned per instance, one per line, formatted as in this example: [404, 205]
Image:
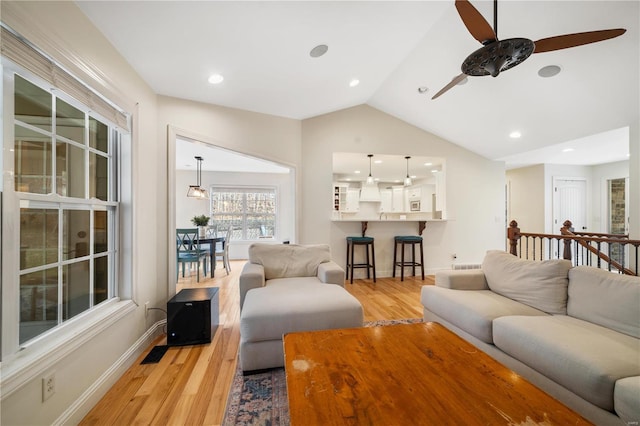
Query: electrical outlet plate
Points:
[48, 386]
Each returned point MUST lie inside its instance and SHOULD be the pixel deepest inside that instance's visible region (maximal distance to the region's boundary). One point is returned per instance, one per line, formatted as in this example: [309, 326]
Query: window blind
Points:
[24, 54]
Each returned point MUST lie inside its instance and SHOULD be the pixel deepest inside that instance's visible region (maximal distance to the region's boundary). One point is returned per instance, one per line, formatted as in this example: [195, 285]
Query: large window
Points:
[65, 192]
[251, 212]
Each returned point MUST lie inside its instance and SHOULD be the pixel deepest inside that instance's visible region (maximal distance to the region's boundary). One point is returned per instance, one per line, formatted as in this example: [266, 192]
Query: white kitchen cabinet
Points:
[345, 198]
[386, 200]
[399, 203]
[353, 200]
[339, 196]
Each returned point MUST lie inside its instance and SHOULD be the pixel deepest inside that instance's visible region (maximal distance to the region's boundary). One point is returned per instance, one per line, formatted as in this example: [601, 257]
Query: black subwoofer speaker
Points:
[192, 316]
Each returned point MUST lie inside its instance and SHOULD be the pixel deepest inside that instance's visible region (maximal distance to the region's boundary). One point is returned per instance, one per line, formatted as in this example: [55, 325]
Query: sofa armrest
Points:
[469, 279]
[252, 276]
[331, 273]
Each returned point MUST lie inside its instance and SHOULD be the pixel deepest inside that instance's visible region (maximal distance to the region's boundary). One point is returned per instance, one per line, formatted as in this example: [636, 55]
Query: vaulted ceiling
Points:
[393, 48]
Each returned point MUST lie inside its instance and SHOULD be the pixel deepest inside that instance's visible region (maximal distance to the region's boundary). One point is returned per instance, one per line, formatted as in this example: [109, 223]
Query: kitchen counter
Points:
[422, 222]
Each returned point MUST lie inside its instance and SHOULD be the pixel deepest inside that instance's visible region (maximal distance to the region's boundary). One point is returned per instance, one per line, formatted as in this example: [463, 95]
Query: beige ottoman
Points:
[289, 305]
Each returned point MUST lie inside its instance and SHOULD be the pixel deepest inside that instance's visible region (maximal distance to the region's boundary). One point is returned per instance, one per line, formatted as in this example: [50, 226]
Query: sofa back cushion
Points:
[539, 284]
[289, 260]
[605, 298]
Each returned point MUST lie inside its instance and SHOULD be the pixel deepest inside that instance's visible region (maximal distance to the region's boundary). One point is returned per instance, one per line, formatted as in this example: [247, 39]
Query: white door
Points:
[569, 202]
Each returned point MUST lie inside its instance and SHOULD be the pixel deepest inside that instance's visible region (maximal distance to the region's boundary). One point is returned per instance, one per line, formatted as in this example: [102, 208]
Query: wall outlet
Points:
[48, 386]
[146, 309]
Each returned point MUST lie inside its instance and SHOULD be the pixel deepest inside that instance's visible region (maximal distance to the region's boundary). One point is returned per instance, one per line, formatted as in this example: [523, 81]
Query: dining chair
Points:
[223, 252]
[188, 250]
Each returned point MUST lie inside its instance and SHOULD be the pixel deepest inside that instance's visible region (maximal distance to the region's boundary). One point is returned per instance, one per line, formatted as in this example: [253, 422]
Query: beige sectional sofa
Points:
[286, 288]
[572, 331]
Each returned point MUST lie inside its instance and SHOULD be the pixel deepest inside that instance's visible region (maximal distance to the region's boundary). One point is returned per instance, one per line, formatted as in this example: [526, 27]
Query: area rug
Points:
[261, 399]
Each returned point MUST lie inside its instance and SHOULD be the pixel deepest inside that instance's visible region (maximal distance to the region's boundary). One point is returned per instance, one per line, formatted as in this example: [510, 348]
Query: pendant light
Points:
[407, 180]
[370, 178]
[196, 191]
[370, 191]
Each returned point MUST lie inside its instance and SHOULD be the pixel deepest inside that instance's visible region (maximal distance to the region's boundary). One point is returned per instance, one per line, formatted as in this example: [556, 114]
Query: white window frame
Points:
[245, 189]
[22, 363]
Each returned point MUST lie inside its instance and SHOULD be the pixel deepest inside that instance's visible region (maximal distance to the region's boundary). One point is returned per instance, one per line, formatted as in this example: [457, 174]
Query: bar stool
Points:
[370, 260]
[403, 241]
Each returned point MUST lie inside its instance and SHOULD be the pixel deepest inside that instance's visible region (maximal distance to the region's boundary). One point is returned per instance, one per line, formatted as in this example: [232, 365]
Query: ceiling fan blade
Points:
[577, 39]
[475, 22]
[453, 82]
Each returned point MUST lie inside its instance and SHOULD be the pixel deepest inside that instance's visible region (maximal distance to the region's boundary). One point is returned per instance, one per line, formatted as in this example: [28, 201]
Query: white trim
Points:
[90, 397]
[30, 363]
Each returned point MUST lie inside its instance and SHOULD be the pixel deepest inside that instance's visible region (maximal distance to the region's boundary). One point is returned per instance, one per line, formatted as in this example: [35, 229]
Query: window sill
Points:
[38, 356]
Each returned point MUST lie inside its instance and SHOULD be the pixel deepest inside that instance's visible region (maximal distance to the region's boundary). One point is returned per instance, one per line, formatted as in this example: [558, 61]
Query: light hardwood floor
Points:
[189, 386]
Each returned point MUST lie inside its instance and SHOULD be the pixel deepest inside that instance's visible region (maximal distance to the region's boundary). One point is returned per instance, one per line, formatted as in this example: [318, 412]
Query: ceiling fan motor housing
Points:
[498, 56]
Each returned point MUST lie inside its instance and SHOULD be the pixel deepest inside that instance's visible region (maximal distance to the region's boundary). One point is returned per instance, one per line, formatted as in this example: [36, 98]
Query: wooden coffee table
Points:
[408, 374]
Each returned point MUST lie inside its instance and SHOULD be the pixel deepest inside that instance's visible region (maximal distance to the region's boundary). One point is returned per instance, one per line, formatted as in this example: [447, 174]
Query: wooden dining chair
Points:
[188, 250]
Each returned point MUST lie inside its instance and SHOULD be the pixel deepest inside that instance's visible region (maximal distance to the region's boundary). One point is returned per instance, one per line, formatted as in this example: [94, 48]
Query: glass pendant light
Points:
[370, 191]
[407, 180]
[196, 191]
[370, 178]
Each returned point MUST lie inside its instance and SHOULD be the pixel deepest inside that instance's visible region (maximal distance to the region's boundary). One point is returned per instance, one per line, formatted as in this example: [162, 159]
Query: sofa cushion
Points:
[583, 357]
[472, 311]
[608, 299]
[540, 284]
[297, 304]
[469, 279]
[289, 260]
[626, 399]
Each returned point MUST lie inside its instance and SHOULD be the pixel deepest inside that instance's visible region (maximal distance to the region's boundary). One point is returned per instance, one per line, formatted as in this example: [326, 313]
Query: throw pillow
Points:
[539, 284]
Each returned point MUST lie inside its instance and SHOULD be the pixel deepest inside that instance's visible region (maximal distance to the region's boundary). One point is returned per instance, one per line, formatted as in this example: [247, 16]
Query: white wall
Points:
[474, 189]
[634, 179]
[61, 30]
[531, 192]
[526, 198]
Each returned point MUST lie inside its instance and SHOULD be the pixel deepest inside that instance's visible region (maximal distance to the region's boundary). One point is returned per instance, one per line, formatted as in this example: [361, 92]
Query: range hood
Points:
[369, 193]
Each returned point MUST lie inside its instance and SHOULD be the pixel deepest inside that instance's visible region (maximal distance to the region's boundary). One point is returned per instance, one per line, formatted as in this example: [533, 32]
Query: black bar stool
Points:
[403, 241]
[370, 260]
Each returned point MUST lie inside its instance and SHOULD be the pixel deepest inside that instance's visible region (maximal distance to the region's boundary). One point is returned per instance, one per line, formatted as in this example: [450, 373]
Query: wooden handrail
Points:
[584, 239]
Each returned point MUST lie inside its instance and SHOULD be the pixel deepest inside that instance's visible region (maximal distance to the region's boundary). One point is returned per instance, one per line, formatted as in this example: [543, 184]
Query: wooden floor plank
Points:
[190, 385]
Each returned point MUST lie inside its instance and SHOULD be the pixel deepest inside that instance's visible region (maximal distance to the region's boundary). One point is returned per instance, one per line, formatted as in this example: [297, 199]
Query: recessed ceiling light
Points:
[434, 171]
[356, 172]
[377, 161]
[215, 78]
[549, 71]
[423, 89]
[568, 150]
[515, 135]
[319, 50]
[354, 82]
[428, 164]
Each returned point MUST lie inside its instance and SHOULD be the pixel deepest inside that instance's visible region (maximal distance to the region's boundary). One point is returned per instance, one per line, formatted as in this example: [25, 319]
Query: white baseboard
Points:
[79, 409]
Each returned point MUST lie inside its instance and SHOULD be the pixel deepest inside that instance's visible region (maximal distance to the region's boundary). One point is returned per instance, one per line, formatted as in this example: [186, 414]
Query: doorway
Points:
[222, 167]
[570, 203]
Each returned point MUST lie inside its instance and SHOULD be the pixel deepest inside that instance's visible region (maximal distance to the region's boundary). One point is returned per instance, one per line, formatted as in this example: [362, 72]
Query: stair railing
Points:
[613, 252]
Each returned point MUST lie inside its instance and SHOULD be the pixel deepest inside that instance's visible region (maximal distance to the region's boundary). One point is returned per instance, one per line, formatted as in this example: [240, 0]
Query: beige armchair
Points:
[287, 288]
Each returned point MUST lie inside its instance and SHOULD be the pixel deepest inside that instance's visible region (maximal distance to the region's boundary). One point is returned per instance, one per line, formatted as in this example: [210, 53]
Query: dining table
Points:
[212, 241]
